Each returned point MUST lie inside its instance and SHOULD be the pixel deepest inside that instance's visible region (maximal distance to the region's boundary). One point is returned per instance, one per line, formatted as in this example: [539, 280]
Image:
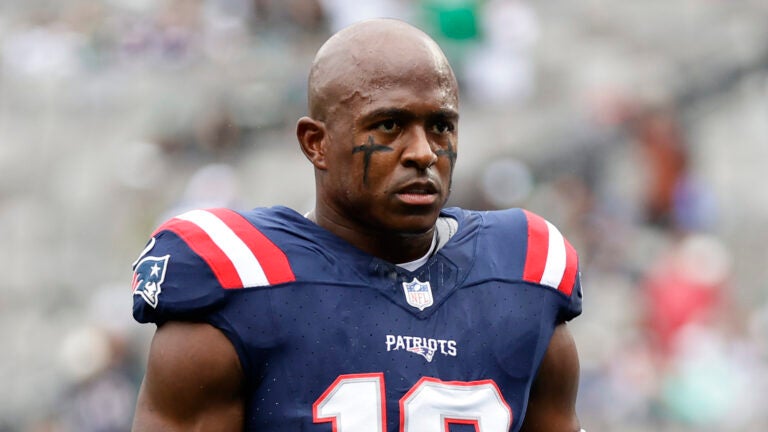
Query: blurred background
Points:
[640, 128]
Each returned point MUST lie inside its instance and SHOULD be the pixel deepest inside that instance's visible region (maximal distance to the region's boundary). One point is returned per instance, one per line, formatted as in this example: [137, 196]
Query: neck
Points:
[391, 246]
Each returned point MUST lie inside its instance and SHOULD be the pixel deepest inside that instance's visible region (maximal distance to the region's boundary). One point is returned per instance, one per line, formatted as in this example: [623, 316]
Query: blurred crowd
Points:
[639, 128]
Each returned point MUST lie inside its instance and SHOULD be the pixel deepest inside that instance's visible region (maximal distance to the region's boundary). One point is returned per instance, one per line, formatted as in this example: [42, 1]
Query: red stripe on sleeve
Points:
[538, 247]
[273, 260]
[200, 242]
[571, 267]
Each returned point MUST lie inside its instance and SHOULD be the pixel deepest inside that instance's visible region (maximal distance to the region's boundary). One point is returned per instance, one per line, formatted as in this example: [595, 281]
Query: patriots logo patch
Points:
[423, 351]
[148, 277]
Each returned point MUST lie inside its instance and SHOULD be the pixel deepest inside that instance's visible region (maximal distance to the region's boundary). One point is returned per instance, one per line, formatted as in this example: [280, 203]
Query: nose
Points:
[419, 153]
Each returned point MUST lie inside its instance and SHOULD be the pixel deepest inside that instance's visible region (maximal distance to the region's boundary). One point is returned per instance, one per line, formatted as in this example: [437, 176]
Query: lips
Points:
[418, 193]
[419, 187]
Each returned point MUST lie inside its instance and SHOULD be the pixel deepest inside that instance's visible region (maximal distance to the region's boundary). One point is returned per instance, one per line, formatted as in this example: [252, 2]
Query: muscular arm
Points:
[552, 402]
[193, 382]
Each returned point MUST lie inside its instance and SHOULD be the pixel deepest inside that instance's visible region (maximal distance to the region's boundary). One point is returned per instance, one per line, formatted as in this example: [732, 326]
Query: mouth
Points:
[418, 193]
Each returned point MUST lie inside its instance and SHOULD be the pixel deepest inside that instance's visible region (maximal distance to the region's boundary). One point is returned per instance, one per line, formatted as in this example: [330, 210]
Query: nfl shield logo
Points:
[418, 294]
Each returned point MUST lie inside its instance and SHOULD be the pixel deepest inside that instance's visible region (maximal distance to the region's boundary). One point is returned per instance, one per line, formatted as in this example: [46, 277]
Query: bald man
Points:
[379, 310]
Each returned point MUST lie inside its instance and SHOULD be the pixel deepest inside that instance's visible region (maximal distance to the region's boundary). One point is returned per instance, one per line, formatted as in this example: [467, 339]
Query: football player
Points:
[379, 310]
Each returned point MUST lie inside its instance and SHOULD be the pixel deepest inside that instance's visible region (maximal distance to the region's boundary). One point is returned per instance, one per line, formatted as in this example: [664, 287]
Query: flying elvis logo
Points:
[425, 347]
[148, 278]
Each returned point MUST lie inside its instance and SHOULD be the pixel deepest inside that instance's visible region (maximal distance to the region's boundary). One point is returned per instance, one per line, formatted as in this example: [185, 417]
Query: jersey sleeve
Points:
[551, 261]
[171, 282]
[194, 261]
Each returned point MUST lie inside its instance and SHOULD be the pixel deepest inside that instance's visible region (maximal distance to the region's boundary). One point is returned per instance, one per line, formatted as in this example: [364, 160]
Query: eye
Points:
[442, 127]
[388, 126]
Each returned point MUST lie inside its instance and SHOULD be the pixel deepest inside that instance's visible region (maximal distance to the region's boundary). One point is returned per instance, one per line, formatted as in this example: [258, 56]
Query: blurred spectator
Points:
[666, 159]
[688, 285]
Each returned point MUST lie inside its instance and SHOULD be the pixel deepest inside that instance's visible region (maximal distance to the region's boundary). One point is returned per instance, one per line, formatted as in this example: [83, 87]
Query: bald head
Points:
[375, 53]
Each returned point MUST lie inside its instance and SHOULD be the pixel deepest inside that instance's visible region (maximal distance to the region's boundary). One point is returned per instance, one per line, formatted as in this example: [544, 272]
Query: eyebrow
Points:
[403, 113]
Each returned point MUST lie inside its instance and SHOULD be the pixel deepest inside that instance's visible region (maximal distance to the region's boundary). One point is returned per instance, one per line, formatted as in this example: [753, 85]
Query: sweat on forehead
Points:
[373, 53]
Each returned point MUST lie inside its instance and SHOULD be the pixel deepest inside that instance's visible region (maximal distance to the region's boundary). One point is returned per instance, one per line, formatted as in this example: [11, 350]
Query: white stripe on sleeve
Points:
[555, 266]
[247, 266]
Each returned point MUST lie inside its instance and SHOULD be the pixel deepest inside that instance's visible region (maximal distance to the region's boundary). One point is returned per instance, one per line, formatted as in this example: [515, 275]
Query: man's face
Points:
[392, 149]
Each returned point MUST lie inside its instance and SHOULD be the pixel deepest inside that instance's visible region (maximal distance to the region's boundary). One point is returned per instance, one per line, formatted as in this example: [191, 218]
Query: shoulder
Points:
[232, 244]
[546, 257]
[192, 260]
[520, 245]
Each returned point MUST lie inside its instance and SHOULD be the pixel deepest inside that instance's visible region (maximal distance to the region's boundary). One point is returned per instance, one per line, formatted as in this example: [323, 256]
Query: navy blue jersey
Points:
[333, 339]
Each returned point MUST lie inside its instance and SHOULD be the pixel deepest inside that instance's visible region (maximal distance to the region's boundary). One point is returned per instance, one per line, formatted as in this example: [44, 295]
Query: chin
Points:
[416, 224]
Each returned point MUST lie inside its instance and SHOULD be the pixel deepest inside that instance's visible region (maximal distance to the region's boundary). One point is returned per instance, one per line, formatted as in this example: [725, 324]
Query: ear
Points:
[312, 137]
